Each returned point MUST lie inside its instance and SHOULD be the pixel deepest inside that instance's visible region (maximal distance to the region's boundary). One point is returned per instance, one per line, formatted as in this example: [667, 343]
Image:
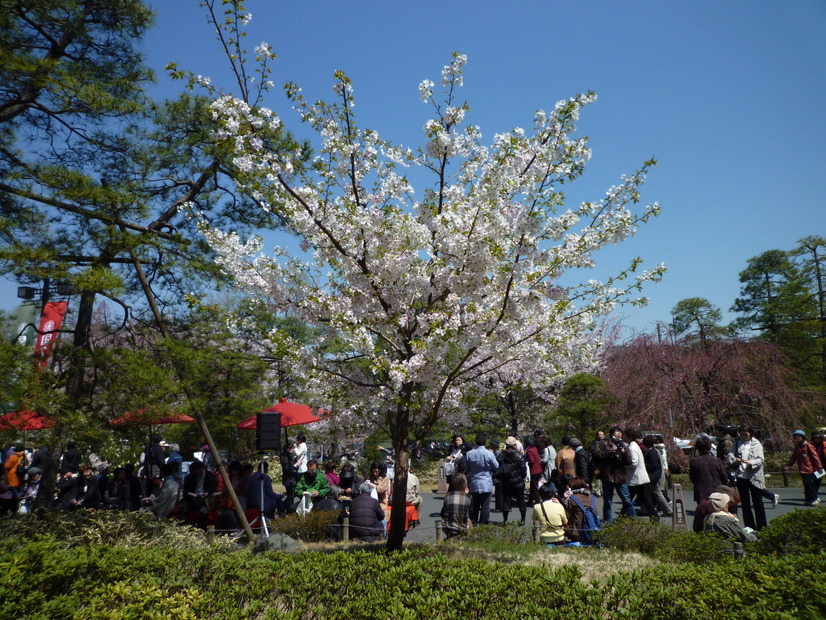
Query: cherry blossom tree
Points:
[417, 296]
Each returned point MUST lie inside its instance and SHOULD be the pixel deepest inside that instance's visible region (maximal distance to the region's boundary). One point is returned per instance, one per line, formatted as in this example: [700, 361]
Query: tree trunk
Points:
[398, 509]
[76, 388]
[48, 479]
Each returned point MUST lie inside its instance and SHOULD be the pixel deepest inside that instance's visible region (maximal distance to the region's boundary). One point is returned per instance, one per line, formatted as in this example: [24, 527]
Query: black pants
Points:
[810, 487]
[645, 496]
[511, 496]
[480, 507]
[750, 494]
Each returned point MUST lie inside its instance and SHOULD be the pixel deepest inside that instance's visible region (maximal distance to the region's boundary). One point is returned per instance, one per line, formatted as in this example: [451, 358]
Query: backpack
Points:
[590, 521]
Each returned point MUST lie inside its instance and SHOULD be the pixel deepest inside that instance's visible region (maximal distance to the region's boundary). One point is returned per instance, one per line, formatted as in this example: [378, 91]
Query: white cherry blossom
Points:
[417, 296]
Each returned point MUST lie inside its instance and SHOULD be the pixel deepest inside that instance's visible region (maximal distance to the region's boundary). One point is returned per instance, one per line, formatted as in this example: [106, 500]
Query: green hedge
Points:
[800, 531]
[48, 580]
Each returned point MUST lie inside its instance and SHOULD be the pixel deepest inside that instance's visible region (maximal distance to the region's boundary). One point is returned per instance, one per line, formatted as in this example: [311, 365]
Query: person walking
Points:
[750, 477]
[705, 471]
[612, 460]
[582, 460]
[511, 474]
[480, 465]
[548, 458]
[638, 479]
[454, 461]
[534, 466]
[808, 462]
[596, 482]
[300, 456]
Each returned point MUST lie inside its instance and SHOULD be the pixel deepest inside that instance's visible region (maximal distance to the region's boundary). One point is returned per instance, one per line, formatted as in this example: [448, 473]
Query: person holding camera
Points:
[613, 460]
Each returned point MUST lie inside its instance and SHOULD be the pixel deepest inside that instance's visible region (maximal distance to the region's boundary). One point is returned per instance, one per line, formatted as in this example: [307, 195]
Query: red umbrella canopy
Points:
[292, 414]
[151, 418]
[25, 420]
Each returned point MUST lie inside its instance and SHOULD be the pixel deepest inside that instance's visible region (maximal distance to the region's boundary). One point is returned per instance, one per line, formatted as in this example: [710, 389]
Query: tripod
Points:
[262, 469]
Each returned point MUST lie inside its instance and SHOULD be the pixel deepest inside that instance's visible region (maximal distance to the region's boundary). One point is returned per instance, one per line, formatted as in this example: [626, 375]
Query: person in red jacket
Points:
[534, 468]
[808, 462]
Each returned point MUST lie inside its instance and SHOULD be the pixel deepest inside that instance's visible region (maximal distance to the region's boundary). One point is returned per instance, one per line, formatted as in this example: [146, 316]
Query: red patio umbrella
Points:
[143, 417]
[151, 418]
[292, 414]
[25, 420]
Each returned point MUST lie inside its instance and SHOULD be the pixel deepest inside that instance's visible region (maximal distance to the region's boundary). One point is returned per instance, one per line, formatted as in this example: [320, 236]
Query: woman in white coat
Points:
[750, 477]
[637, 474]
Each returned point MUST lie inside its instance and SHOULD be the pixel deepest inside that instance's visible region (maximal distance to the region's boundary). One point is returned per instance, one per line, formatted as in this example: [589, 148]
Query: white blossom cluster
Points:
[419, 296]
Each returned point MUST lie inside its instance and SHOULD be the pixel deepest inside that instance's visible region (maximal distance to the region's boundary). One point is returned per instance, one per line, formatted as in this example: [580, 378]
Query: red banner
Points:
[50, 322]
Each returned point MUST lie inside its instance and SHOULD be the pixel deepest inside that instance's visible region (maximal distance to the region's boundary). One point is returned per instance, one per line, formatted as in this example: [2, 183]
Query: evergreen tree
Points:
[811, 256]
[777, 304]
[583, 401]
[696, 317]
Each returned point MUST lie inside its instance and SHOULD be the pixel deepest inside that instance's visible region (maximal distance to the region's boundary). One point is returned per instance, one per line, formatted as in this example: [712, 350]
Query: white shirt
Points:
[637, 473]
[301, 457]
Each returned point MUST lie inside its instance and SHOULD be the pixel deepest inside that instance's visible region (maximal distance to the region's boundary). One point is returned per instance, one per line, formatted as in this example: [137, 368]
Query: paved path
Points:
[790, 499]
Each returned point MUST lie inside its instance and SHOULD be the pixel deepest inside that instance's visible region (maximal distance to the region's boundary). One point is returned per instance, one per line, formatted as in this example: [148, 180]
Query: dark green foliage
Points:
[629, 534]
[798, 532]
[687, 547]
[663, 542]
[110, 527]
[757, 587]
[582, 402]
[311, 528]
[498, 535]
[48, 580]
[695, 318]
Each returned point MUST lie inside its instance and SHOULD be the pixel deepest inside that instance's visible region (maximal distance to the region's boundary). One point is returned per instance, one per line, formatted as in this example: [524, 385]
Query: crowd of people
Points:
[163, 484]
[727, 473]
[561, 485]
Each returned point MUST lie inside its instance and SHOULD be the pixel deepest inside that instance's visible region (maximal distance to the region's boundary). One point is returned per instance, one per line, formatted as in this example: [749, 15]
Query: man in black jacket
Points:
[511, 475]
[612, 454]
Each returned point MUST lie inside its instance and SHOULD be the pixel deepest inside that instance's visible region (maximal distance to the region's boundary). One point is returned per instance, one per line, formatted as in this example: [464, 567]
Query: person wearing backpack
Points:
[580, 506]
[550, 514]
[511, 475]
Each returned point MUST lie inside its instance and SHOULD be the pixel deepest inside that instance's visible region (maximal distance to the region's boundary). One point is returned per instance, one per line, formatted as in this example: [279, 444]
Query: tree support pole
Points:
[199, 417]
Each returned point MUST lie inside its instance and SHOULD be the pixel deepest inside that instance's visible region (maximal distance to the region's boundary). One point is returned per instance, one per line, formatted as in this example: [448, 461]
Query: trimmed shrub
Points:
[313, 527]
[48, 580]
[758, 587]
[76, 528]
[509, 534]
[658, 540]
[633, 534]
[687, 547]
[800, 531]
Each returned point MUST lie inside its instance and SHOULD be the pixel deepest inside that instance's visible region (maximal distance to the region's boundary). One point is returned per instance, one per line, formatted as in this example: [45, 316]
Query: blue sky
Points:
[729, 96]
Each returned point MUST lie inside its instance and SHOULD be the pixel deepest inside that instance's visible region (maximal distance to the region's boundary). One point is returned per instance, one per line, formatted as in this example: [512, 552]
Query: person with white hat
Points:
[720, 520]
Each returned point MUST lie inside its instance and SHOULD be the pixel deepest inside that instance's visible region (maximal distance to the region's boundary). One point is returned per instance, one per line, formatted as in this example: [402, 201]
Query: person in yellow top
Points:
[550, 514]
